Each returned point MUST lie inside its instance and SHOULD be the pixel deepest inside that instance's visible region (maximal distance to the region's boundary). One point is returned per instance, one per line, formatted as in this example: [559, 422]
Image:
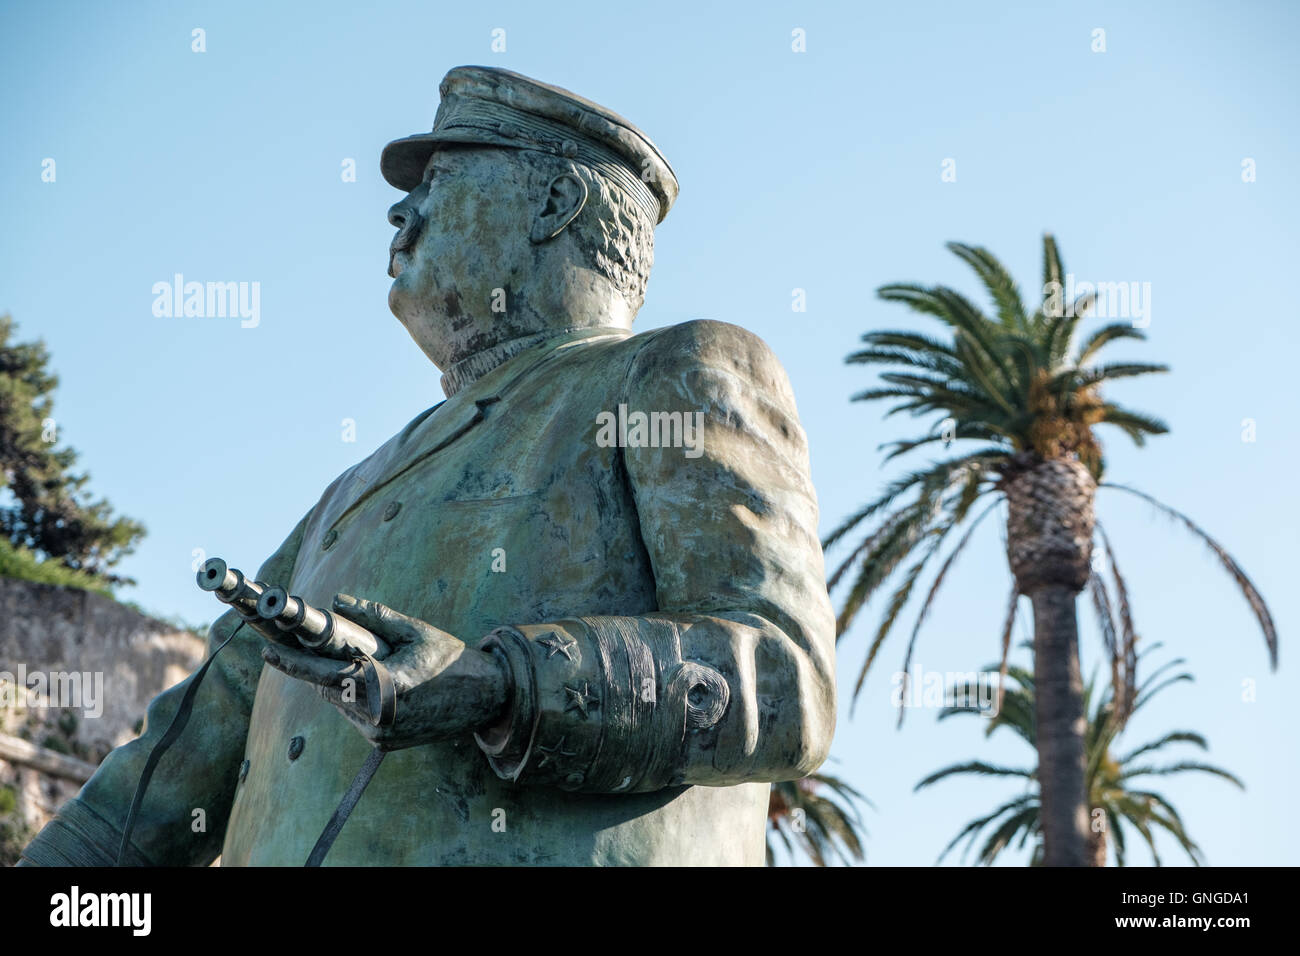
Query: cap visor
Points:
[403, 160]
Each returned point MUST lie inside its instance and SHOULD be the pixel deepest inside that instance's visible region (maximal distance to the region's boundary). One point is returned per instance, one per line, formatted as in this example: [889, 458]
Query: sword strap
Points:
[344, 809]
[381, 699]
[174, 730]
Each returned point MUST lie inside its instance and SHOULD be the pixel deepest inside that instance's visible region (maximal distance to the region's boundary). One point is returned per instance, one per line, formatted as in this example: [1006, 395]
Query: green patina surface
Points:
[660, 644]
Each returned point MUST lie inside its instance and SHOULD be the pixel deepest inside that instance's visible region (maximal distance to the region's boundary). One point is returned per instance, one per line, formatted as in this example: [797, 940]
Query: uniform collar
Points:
[474, 367]
[435, 429]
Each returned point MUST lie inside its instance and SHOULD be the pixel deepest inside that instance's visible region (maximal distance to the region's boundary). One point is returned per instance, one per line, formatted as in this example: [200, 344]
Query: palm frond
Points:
[974, 767]
[1117, 832]
[893, 609]
[953, 309]
[909, 341]
[962, 430]
[1173, 737]
[1075, 379]
[1028, 819]
[937, 475]
[1146, 695]
[1247, 587]
[1124, 702]
[1134, 424]
[1053, 270]
[1103, 337]
[1007, 626]
[1109, 634]
[930, 361]
[1108, 780]
[821, 814]
[973, 828]
[1061, 325]
[1186, 766]
[879, 562]
[1001, 287]
[934, 590]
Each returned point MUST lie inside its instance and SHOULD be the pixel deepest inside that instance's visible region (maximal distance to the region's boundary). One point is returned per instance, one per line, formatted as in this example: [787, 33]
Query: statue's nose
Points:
[397, 215]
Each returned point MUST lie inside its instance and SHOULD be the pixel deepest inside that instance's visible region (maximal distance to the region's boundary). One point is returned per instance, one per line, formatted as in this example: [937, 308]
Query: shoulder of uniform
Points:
[707, 344]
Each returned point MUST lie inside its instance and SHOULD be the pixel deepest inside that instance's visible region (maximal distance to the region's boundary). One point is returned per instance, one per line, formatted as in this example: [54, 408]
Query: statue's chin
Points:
[398, 301]
[420, 325]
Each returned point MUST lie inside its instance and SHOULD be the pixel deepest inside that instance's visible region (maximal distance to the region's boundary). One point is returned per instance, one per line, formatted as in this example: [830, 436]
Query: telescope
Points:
[318, 630]
[283, 618]
[230, 586]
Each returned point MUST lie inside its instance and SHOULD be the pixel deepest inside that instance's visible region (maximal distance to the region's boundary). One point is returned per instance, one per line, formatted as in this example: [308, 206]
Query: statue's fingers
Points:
[277, 638]
[397, 628]
[323, 671]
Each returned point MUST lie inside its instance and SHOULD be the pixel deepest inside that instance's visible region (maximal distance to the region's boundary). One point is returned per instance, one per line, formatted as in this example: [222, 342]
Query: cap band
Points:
[513, 127]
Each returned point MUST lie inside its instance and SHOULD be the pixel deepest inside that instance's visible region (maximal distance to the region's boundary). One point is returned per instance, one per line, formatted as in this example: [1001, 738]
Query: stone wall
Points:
[91, 665]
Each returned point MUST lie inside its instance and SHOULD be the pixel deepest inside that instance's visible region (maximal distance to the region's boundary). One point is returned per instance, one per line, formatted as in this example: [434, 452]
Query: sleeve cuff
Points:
[601, 705]
[78, 836]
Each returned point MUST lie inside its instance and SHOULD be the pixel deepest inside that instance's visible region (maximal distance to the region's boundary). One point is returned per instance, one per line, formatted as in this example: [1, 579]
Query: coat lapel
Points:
[445, 424]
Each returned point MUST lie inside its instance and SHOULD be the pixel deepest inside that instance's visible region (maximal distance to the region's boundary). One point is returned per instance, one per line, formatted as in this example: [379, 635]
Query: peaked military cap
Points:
[492, 107]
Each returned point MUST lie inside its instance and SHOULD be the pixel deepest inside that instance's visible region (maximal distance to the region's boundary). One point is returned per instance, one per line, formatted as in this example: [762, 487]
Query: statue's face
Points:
[462, 246]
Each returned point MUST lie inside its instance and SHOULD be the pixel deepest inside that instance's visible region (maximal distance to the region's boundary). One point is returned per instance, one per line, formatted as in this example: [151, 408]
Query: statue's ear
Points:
[565, 197]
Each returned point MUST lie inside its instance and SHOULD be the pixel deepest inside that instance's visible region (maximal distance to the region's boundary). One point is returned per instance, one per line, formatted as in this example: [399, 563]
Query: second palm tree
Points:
[1020, 385]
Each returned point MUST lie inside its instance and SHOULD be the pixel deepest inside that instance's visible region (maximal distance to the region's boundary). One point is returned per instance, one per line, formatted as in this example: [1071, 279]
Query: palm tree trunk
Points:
[1058, 694]
[1050, 521]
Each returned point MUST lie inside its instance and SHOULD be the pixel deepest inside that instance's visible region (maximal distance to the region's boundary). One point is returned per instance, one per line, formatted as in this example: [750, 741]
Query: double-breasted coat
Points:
[662, 610]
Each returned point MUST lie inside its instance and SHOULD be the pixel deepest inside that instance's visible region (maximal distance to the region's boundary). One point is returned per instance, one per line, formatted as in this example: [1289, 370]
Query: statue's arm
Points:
[198, 773]
[733, 679]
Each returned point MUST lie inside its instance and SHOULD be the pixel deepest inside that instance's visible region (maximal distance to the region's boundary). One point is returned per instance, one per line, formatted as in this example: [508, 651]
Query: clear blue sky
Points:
[818, 170]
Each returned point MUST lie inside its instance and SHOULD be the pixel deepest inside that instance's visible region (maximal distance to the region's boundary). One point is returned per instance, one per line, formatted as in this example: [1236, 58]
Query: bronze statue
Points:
[603, 610]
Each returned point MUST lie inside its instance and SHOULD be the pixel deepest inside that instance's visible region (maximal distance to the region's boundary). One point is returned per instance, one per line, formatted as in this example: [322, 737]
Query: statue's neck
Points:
[475, 366]
[569, 314]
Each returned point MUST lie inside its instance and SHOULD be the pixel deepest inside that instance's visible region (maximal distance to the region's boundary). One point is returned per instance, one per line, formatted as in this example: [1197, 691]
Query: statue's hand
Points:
[444, 687]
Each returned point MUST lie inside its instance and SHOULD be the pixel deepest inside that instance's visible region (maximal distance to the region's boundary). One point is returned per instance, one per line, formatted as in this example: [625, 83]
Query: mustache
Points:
[407, 236]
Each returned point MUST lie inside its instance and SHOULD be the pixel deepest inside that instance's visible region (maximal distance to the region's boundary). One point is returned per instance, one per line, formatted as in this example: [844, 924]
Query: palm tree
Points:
[1114, 793]
[1021, 386]
[800, 813]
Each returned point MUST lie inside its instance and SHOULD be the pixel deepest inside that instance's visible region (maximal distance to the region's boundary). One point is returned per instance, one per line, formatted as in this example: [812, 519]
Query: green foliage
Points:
[46, 508]
[14, 835]
[819, 815]
[1018, 387]
[20, 563]
[1114, 782]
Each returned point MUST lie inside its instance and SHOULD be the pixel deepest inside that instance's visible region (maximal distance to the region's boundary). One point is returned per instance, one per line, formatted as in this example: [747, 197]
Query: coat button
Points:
[295, 747]
[328, 541]
[391, 511]
[243, 771]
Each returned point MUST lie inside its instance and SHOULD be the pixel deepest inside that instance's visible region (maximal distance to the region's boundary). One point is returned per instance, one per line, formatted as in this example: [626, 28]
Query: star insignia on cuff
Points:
[580, 700]
[556, 644]
[552, 752]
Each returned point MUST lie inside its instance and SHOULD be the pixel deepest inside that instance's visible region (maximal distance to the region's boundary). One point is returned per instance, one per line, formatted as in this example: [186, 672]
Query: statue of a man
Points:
[596, 561]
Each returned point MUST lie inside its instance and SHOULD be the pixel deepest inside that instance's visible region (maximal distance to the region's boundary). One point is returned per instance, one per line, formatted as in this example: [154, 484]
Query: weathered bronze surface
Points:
[621, 527]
